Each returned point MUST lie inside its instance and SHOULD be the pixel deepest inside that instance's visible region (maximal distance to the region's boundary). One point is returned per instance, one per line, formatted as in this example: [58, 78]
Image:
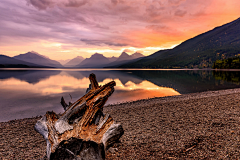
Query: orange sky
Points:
[64, 29]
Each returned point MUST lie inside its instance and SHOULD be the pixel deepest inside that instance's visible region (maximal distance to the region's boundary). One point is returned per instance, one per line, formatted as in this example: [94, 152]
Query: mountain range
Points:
[64, 61]
[9, 62]
[34, 57]
[200, 51]
[73, 62]
[99, 61]
[95, 61]
[125, 58]
[112, 59]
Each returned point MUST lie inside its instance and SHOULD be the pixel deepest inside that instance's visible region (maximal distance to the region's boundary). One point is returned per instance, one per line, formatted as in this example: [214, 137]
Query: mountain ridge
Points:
[112, 59]
[36, 58]
[95, 61]
[199, 51]
[125, 58]
[9, 62]
[73, 62]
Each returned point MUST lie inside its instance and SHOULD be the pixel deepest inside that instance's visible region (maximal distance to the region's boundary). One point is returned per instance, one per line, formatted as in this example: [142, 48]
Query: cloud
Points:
[180, 13]
[44, 4]
[127, 50]
[76, 3]
[157, 27]
[139, 51]
[41, 4]
[115, 2]
[108, 24]
[176, 2]
[102, 42]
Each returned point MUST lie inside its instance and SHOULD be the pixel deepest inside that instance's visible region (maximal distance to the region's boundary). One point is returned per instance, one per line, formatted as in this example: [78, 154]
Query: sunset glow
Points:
[67, 83]
[64, 29]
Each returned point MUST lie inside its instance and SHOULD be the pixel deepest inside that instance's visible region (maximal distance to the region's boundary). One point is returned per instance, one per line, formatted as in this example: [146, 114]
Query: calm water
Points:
[27, 93]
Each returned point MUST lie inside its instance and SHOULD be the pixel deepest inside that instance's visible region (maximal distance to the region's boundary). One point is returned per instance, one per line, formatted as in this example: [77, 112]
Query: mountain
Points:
[136, 55]
[99, 61]
[64, 61]
[9, 62]
[200, 51]
[75, 61]
[34, 57]
[95, 61]
[124, 58]
[112, 59]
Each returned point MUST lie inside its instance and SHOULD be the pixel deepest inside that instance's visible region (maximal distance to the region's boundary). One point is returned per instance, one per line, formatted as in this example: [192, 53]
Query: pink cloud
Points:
[44, 4]
[127, 50]
[41, 4]
[176, 2]
[114, 24]
[180, 13]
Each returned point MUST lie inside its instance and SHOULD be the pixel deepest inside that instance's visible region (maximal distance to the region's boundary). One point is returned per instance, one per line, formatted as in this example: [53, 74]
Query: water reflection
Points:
[229, 76]
[30, 76]
[28, 93]
[186, 81]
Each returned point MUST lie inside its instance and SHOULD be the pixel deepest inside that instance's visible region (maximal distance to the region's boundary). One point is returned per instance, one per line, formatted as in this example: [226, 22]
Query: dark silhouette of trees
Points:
[230, 63]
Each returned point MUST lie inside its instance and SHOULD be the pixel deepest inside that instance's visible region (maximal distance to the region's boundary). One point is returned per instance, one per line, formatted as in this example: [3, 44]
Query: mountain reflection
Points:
[30, 93]
[63, 82]
[30, 76]
[187, 81]
[26, 93]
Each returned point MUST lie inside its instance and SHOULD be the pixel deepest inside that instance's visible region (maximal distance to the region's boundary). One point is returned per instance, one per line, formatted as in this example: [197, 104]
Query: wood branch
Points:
[64, 104]
[82, 131]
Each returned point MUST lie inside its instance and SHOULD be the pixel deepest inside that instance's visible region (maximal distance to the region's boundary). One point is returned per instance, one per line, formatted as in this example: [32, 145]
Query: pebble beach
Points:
[202, 125]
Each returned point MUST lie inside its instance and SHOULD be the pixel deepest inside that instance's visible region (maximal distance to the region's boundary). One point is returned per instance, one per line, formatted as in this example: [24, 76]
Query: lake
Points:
[30, 92]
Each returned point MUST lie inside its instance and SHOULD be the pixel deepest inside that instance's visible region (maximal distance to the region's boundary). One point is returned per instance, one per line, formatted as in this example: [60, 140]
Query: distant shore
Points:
[197, 125]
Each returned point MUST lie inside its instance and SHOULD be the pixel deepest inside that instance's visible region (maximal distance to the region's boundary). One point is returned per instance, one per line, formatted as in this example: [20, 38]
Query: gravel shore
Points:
[192, 126]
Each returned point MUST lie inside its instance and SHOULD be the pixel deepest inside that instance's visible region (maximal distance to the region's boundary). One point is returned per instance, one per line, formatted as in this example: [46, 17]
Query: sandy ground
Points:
[192, 126]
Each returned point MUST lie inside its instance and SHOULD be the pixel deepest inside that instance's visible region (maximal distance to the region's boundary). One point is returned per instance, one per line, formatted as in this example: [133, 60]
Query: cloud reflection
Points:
[63, 82]
[53, 85]
[22, 99]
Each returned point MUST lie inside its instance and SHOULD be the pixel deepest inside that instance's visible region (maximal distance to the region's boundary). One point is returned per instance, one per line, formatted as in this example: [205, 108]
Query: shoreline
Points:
[159, 100]
[153, 69]
[181, 97]
[195, 125]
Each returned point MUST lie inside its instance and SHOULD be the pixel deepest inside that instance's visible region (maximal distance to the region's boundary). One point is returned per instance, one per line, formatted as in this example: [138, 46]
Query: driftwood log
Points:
[82, 132]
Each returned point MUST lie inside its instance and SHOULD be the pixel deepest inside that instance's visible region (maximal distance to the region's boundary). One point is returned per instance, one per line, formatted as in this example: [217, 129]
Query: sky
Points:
[64, 29]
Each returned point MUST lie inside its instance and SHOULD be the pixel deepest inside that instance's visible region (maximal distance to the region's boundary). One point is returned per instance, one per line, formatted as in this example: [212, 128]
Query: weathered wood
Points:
[82, 131]
[64, 104]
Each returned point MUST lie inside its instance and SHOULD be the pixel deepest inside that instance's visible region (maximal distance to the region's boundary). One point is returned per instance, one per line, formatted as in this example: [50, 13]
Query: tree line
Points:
[230, 63]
